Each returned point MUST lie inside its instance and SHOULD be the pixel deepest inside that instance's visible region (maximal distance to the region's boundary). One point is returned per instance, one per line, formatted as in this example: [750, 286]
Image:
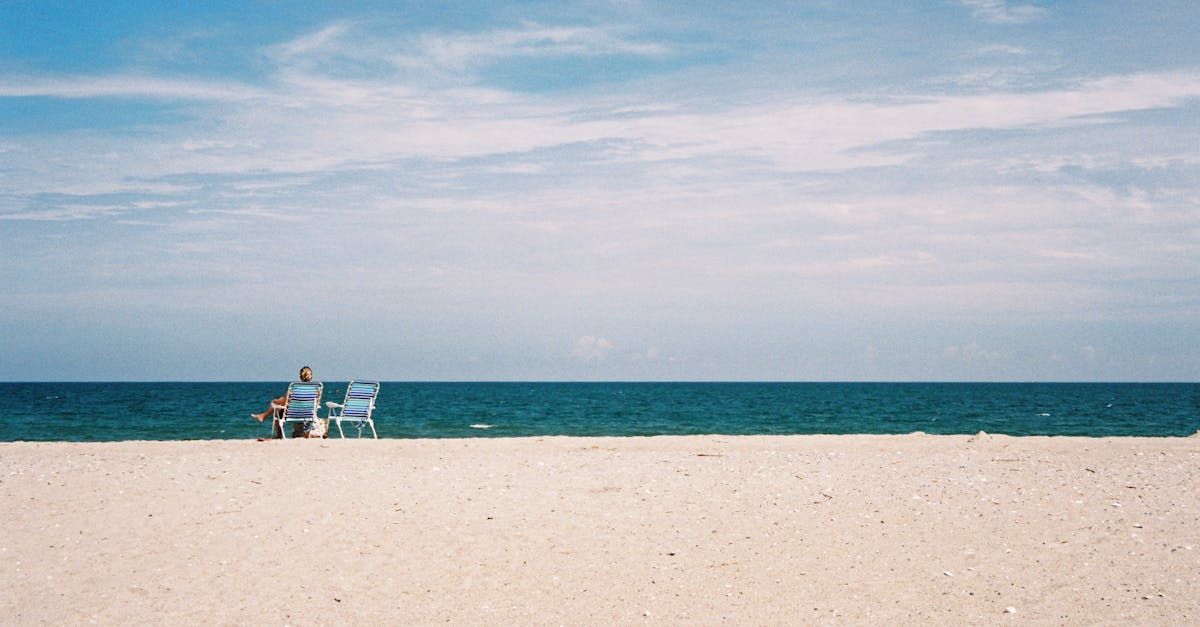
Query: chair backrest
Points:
[302, 401]
[360, 399]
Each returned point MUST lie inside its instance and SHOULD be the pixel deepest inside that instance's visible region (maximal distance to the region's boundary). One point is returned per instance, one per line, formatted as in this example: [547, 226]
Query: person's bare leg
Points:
[263, 416]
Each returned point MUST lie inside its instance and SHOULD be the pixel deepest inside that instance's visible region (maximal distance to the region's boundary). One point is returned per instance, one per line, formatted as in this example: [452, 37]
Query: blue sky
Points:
[952, 190]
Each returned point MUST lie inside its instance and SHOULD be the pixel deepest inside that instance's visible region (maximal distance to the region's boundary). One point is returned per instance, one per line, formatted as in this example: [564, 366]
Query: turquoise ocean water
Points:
[182, 411]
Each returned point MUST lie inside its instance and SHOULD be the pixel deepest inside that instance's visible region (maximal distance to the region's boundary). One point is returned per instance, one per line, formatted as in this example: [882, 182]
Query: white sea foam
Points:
[481, 426]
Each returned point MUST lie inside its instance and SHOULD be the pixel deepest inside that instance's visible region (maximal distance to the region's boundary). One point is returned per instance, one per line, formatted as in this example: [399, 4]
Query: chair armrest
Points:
[331, 404]
[277, 406]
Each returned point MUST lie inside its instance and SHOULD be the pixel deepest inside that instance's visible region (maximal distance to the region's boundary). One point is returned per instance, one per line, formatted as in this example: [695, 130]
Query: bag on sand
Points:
[316, 428]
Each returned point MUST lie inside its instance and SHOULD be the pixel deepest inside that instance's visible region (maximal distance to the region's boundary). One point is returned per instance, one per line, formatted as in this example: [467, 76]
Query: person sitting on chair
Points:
[301, 431]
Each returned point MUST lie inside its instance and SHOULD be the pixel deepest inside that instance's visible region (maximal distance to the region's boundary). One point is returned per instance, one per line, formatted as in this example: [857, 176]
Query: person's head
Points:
[306, 374]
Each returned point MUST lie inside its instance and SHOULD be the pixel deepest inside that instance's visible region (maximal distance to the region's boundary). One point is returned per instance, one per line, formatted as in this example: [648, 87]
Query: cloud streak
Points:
[351, 123]
[364, 47]
[127, 86]
[1002, 12]
[466, 50]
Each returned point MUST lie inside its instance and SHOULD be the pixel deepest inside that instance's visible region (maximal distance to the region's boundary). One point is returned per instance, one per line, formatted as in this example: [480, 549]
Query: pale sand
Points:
[749, 530]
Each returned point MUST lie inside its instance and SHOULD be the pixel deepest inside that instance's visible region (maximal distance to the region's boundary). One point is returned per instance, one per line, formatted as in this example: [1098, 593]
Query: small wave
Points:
[481, 426]
[1043, 414]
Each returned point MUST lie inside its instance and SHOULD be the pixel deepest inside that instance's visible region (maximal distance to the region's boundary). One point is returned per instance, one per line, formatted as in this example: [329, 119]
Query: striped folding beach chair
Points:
[357, 408]
[301, 405]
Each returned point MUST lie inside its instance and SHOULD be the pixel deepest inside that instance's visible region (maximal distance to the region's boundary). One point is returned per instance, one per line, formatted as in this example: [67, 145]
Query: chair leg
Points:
[372, 423]
[339, 423]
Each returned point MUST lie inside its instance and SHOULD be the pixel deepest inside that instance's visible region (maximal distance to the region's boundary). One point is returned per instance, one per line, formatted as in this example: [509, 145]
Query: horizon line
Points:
[626, 381]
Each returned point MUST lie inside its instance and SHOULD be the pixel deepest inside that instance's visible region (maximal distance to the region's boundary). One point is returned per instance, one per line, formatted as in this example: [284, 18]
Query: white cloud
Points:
[448, 51]
[651, 354]
[1003, 49]
[1001, 12]
[127, 86]
[972, 353]
[379, 123]
[318, 41]
[65, 212]
[804, 135]
[464, 50]
[590, 348]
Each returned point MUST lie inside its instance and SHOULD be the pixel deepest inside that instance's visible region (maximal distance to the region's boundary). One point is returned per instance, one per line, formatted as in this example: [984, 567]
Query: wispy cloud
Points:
[833, 134]
[319, 41]
[1003, 12]
[463, 50]
[127, 86]
[65, 212]
[366, 46]
[591, 348]
[1003, 49]
[971, 354]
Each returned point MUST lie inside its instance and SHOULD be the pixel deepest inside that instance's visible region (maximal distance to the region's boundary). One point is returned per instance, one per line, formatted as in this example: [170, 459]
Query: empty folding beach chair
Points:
[360, 402]
[302, 399]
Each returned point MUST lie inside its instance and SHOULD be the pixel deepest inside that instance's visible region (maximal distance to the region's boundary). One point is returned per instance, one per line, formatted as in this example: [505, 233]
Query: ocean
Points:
[187, 411]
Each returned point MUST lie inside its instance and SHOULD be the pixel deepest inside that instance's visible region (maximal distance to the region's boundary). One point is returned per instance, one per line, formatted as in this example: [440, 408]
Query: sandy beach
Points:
[662, 530]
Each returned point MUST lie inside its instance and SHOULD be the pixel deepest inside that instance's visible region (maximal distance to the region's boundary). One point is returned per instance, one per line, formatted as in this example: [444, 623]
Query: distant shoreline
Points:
[538, 438]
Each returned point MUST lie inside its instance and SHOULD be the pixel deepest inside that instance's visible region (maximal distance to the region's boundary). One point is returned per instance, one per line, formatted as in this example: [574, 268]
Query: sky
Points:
[811, 191]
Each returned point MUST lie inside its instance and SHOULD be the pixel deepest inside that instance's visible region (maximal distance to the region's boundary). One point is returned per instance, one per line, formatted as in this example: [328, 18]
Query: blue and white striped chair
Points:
[302, 399]
[357, 408]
